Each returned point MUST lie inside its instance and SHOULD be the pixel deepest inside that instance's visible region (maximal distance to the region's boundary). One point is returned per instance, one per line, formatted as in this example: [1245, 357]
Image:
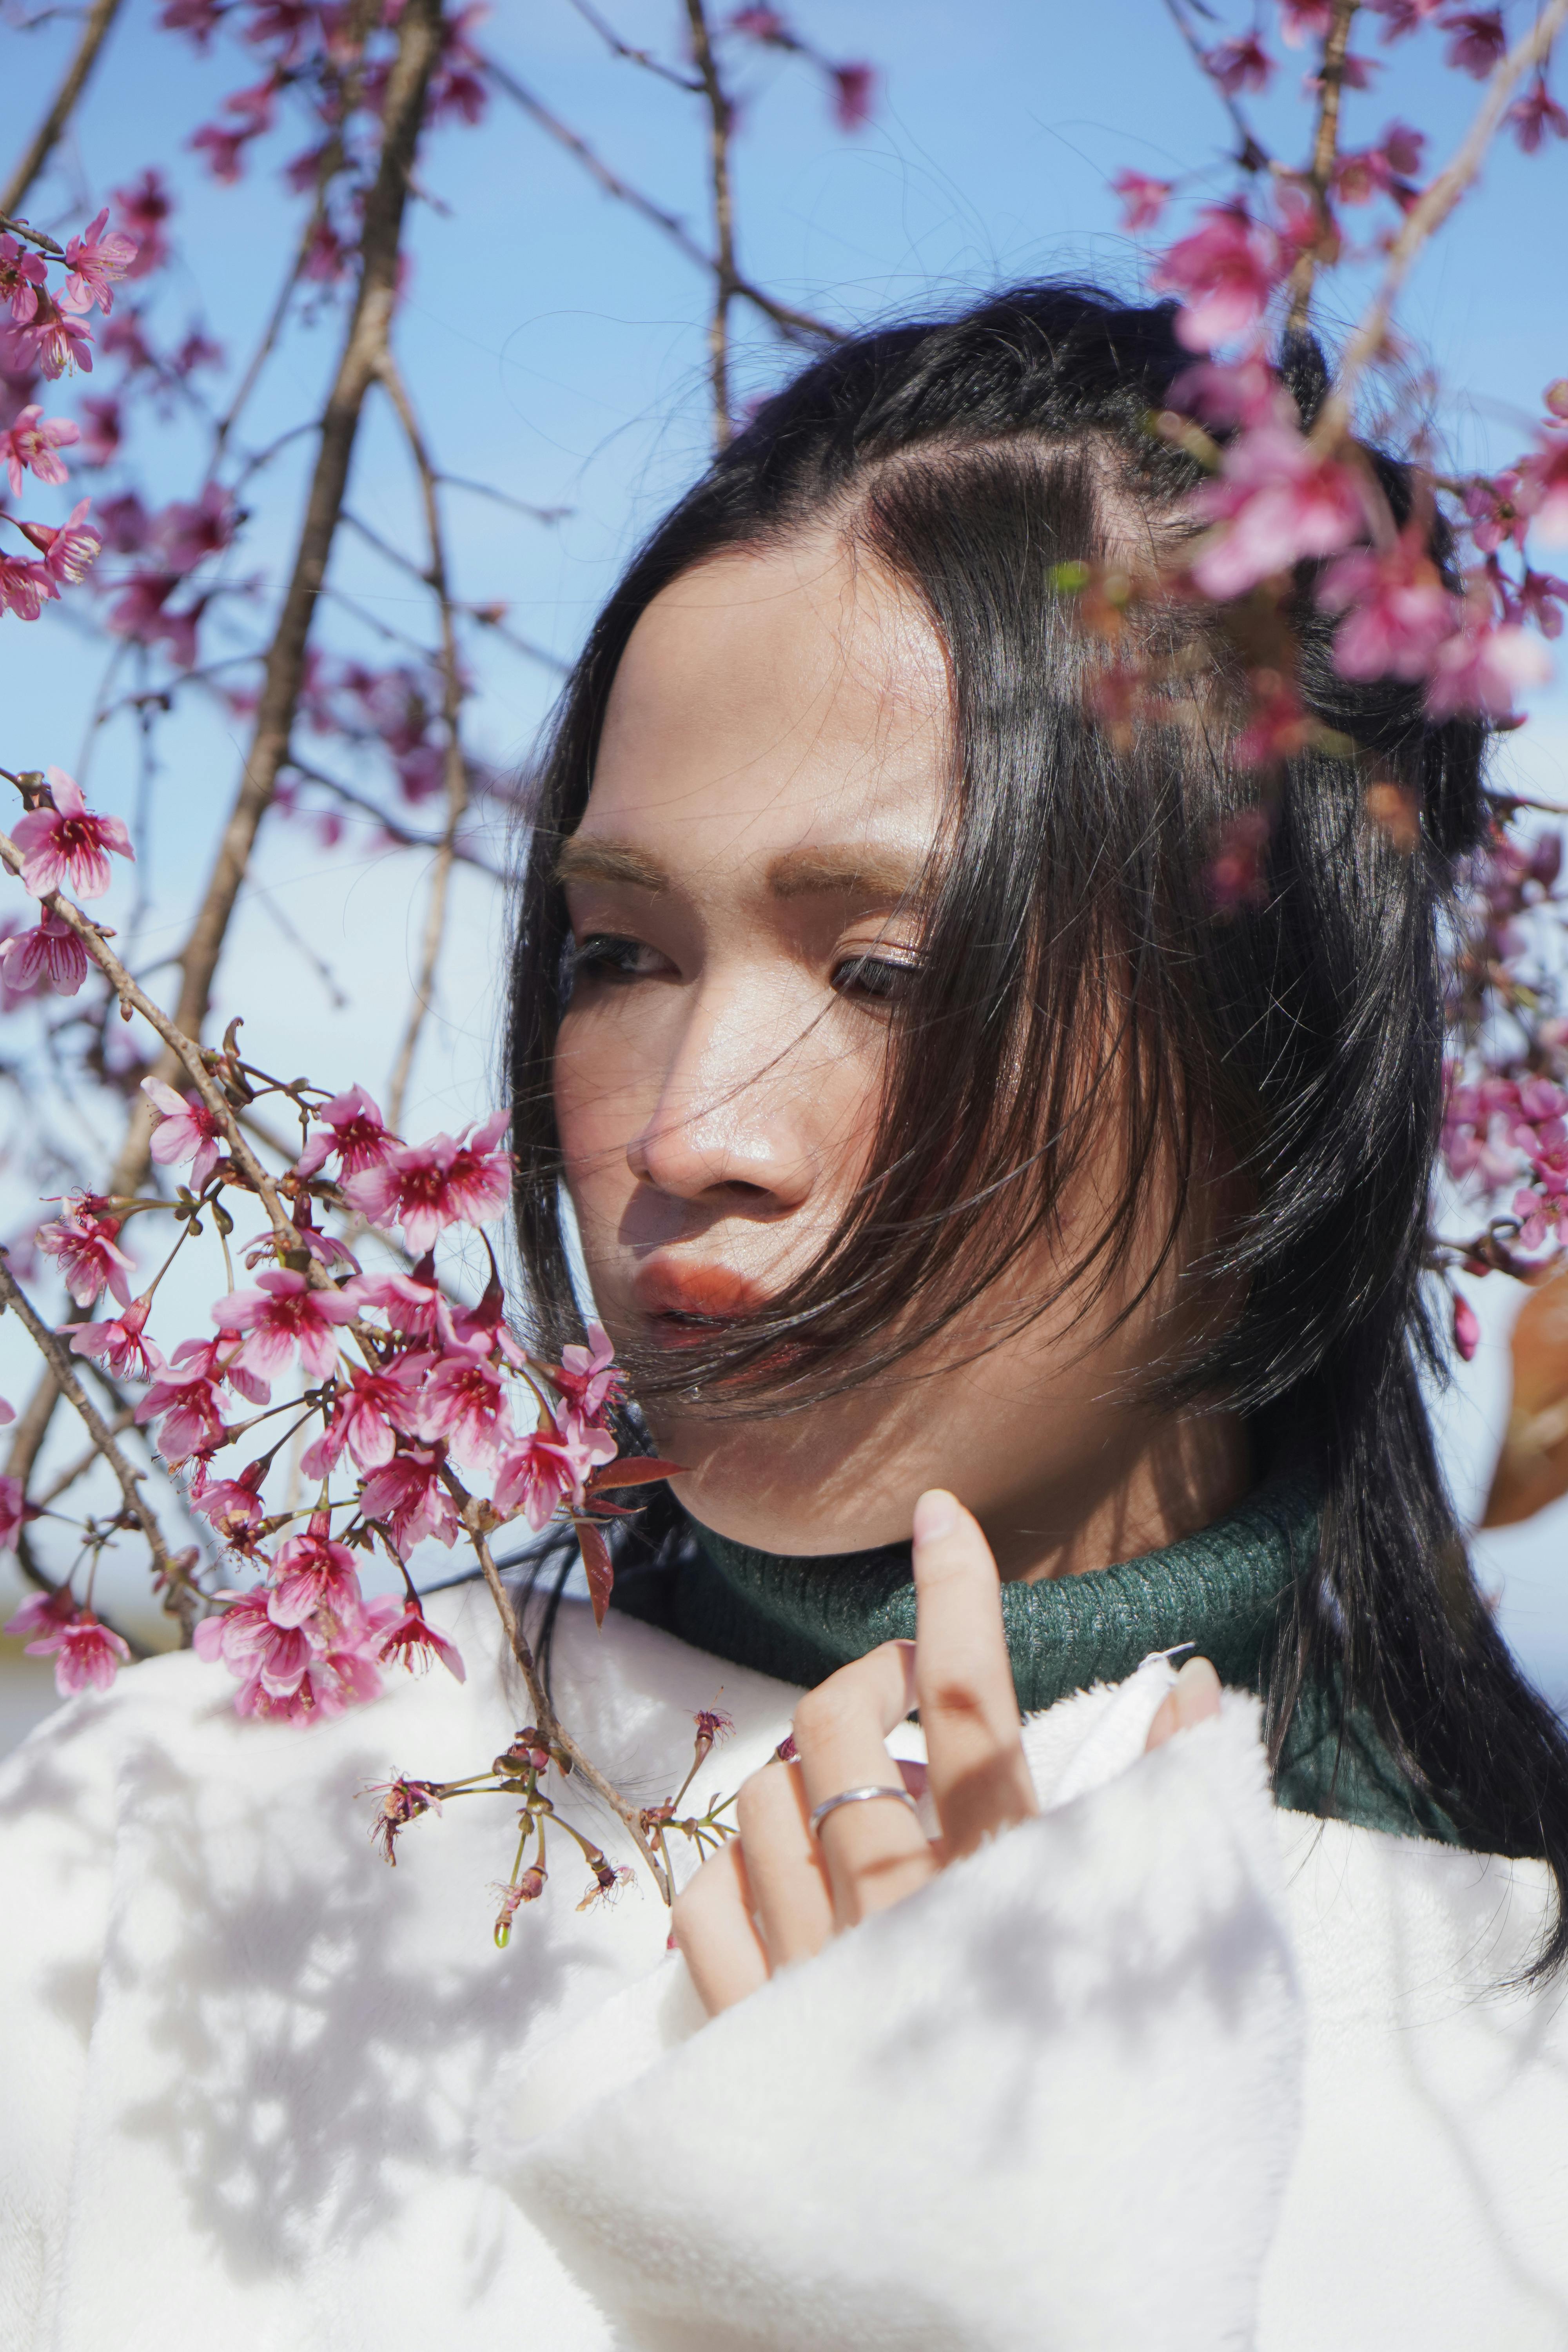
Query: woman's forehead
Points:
[777, 701]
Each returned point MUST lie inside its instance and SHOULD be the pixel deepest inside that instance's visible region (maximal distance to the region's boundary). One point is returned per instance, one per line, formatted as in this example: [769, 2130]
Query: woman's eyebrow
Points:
[879, 877]
[609, 861]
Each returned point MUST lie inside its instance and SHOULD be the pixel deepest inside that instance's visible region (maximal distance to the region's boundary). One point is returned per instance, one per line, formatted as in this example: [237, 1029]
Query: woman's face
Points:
[742, 897]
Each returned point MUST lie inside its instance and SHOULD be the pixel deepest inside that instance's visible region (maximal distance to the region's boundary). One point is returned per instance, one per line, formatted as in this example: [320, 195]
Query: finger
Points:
[711, 1923]
[969, 1712]
[1193, 1695]
[874, 1852]
[790, 1899]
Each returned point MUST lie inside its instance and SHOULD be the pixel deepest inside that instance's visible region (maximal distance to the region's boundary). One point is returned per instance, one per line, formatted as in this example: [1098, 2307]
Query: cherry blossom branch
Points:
[185, 1050]
[180, 1596]
[1428, 214]
[549, 1722]
[47, 136]
[719, 121]
[362, 22]
[1251, 154]
[1325, 153]
[455, 767]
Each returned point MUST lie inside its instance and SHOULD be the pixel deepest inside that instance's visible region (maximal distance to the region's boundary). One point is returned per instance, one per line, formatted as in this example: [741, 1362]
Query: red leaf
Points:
[636, 1470]
[600, 1567]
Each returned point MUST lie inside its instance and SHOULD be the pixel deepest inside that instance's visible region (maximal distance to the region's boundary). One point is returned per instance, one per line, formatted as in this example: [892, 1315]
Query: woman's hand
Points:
[779, 1891]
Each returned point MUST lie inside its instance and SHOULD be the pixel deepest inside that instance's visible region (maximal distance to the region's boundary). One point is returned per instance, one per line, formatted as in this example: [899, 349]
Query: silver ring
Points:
[861, 1797]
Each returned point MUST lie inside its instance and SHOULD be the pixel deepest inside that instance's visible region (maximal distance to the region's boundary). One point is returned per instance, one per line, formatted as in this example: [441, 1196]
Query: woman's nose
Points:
[729, 1118]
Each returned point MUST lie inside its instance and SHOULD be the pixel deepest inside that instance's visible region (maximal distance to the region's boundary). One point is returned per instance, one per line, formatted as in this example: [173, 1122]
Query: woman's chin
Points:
[784, 1498]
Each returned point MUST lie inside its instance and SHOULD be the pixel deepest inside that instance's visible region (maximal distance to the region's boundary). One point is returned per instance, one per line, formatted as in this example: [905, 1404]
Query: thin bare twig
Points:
[1430, 210]
[719, 122]
[644, 57]
[1251, 154]
[93, 1421]
[455, 767]
[43, 142]
[794, 326]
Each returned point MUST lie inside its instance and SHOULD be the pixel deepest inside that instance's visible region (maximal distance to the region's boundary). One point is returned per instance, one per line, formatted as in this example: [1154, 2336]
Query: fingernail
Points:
[936, 1514]
[1196, 1692]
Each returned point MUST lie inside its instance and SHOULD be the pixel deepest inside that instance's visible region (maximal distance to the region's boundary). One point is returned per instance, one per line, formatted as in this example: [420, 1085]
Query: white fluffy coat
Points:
[1164, 2068]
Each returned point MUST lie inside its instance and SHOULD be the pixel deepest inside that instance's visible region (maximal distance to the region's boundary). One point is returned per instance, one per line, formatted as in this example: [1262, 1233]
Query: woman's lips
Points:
[686, 1304]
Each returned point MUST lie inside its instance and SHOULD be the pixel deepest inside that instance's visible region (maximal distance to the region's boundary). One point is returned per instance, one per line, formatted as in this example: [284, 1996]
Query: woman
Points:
[942, 1155]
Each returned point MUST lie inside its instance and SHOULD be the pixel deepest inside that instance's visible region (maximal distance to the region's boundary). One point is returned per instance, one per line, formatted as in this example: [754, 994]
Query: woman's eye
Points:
[875, 979]
[605, 955]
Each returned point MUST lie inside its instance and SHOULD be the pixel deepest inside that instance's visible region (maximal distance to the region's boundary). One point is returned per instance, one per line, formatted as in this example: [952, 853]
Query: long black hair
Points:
[989, 462]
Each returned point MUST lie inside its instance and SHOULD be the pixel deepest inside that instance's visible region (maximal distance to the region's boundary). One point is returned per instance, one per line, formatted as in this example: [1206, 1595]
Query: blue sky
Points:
[555, 347]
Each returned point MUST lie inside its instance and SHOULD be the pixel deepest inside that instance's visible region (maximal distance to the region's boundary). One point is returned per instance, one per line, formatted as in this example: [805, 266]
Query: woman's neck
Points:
[1189, 1470]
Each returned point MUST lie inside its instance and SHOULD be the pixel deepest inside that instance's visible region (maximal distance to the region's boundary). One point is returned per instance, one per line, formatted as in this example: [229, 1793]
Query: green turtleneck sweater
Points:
[1225, 1592]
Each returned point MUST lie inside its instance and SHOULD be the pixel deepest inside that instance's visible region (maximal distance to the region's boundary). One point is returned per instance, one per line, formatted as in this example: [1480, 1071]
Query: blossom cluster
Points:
[1284, 492]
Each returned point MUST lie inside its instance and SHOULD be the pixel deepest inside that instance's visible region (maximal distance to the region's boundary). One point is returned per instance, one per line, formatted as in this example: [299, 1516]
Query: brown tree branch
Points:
[46, 137]
[1325, 155]
[720, 119]
[1250, 153]
[1430, 210]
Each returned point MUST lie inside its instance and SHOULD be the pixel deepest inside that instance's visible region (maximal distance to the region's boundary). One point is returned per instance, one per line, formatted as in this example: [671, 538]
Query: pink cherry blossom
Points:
[52, 342]
[406, 1495]
[186, 1130]
[1544, 475]
[87, 1654]
[95, 261]
[143, 210]
[185, 1398]
[349, 1125]
[537, 1473]
[413, 1303]
[48, 956]
[42, 1612]
[32, 444]
[1277, 500]
[102, 431]
[264, 1658]
[12, 1514]
[414, 1642]
[1481, 668]
[233, 1507]
[1232, 392]
[286, 1312]
[21, 275]
[401, 1802]
[1308, 20]
[1403, 16]
[483, 1330]
[1143, 199]
[68, 549]
[1466, 1328]
[1397, 611]
[1540, 1220]
[465, 1402]
[1495, 516]
[24, 588]
[428, 1186]
[312, 1573]
[370, 1415]
[83, 1240]
[854, 88]
[1533, 118]
[190, 533]
[587, 1378]
[1243, 63]
[1387, 169]
[68, 842]
[116, 1345]
[1225, 271]
[1475, 40]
